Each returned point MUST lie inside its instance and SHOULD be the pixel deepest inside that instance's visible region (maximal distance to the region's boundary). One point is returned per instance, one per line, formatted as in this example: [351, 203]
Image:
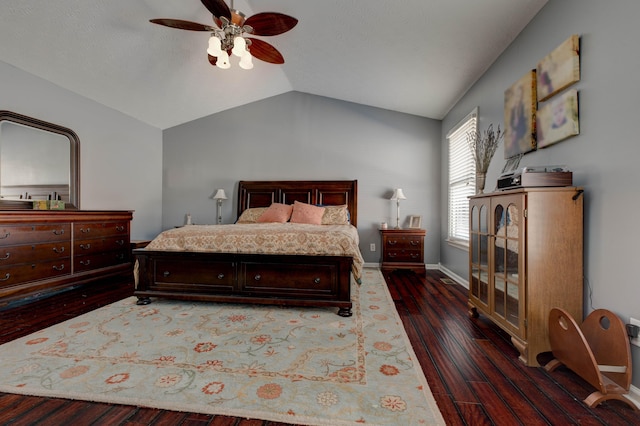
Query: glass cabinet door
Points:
[479, 251]
[507, 294]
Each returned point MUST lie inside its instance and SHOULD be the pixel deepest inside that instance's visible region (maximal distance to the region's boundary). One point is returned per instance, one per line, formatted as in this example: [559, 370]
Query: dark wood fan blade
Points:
[270, 23]
[217, 8]
[265, 52]
[212, 60]
[182, 25]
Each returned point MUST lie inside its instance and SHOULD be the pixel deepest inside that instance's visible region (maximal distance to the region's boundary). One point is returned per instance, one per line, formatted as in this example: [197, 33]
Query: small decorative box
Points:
[55, 205]
[40, 205]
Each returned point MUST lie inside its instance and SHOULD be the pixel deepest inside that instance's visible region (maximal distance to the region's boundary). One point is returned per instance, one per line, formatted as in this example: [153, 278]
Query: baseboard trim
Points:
[463, 282]
[634, 395]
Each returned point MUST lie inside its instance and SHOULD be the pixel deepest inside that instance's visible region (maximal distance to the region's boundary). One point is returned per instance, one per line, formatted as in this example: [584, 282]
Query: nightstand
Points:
[403, 249]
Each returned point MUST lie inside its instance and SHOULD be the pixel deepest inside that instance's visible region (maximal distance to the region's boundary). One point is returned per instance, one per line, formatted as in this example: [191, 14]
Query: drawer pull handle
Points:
[85, 262]
[6, 277]
[166, 273]
[6, 235]
[119, 228]
[220, 276]
[316, 280]
[414, 243]
[392, 242]
[58, 231]
[85, 246]
[58, 250]
[59, 268]
[85, 230]
[120, 256]
[257, 277]
[120, 242]
[6, 257]
[415, 255]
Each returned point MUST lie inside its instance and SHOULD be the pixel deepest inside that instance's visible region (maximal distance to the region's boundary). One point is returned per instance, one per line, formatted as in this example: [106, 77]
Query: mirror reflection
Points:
[38, 161]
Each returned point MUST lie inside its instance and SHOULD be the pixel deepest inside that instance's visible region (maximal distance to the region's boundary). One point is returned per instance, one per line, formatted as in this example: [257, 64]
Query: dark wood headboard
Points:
[326, 192]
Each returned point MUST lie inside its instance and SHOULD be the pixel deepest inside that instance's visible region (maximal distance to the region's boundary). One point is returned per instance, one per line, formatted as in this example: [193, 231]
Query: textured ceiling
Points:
[412, 56]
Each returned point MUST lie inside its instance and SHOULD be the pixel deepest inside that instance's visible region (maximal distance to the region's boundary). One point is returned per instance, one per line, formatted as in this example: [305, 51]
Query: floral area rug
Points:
[295, 365]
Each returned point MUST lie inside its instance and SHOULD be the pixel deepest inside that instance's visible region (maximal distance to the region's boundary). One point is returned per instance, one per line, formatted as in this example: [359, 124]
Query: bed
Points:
[289, 264]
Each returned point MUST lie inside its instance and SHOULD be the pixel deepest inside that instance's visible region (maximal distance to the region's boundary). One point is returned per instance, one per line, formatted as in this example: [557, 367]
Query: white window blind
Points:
[462, 172]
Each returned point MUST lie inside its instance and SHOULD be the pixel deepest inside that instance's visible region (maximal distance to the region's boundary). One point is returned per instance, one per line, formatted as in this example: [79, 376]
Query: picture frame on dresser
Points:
[415, 222]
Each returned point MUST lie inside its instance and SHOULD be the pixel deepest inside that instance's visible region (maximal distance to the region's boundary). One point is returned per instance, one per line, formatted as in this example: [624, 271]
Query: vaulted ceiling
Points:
[413, 56]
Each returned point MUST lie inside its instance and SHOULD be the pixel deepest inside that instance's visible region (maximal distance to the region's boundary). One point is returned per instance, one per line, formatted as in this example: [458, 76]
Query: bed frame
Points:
[288, 280]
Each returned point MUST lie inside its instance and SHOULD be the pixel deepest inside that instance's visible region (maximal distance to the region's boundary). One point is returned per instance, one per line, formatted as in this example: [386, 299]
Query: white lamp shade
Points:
[214, 46]
[246, 62]
[239, 46]
[223, 61]
[398, 194]
[220, 195]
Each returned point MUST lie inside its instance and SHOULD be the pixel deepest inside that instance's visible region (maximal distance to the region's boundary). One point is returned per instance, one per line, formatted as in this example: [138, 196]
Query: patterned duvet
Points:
[265, 238]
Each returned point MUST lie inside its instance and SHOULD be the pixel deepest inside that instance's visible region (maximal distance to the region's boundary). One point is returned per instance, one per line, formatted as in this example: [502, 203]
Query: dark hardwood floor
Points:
[470, 364]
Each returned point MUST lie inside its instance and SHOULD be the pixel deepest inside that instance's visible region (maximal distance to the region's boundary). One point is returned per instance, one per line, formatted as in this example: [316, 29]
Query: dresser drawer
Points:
[88, 230]
[12, 255]
[98, 245]
[24, 234]
[17, 274]
[299, 280]
[99, 260]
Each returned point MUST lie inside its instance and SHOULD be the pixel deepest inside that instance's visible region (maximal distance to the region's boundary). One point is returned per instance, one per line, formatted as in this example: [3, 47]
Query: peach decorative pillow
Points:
[306, 213]
[277, 212]
[335, 215]
[251, 215]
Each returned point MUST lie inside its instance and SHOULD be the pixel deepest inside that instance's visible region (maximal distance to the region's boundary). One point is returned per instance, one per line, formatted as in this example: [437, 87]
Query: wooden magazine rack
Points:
[598, 351]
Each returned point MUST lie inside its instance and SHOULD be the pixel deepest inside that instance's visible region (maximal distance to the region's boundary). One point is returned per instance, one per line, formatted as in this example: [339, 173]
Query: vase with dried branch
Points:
[483, 146]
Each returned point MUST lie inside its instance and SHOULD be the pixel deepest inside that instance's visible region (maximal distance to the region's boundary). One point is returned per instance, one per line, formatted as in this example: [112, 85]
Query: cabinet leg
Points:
[143, 300]
[344, 312]
[473, 312]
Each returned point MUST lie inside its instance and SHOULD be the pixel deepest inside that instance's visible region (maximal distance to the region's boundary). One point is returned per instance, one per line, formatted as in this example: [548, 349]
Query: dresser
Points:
[403, 249]
[44, 251]
[526, 257]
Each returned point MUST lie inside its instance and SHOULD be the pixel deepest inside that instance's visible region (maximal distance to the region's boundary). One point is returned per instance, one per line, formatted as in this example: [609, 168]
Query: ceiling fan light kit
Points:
[228, 36]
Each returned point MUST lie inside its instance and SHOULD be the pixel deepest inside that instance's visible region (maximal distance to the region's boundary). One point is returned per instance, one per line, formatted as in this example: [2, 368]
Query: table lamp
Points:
[397, 196]
[219, 196]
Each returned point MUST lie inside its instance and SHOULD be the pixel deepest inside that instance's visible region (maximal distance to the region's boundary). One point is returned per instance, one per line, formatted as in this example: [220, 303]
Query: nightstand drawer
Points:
[394, 255]
[403, 242]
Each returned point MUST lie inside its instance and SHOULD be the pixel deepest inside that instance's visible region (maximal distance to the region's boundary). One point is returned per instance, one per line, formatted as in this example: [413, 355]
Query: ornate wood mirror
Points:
[38, 161]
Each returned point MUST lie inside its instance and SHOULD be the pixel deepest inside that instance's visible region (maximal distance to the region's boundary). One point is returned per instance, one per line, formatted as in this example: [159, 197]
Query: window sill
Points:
[460, 244]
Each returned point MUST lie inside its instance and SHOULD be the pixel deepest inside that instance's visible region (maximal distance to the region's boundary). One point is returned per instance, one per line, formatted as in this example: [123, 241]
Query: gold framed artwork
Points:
[520, 116]
[559, 69]
[558, 119]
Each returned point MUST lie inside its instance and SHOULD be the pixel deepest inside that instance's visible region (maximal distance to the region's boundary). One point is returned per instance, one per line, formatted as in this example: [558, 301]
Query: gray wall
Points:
[603, 157]
[120, 157]
[300, 136]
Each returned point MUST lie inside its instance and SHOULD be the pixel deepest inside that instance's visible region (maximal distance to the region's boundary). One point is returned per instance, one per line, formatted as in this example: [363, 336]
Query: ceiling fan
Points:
[229, 36]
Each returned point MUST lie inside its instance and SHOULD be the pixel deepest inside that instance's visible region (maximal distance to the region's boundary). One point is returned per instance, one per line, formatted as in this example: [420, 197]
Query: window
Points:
[462, 171]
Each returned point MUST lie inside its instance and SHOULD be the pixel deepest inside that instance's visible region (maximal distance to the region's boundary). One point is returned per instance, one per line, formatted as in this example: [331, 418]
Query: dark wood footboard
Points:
[288, 280]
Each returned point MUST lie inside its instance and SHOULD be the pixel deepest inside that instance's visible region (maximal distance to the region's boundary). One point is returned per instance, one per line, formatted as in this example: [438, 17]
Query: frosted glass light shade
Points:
[214, 46]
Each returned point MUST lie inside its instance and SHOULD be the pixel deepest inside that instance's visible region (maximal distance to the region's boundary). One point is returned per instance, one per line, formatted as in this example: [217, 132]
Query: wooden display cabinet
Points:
[526, 257]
